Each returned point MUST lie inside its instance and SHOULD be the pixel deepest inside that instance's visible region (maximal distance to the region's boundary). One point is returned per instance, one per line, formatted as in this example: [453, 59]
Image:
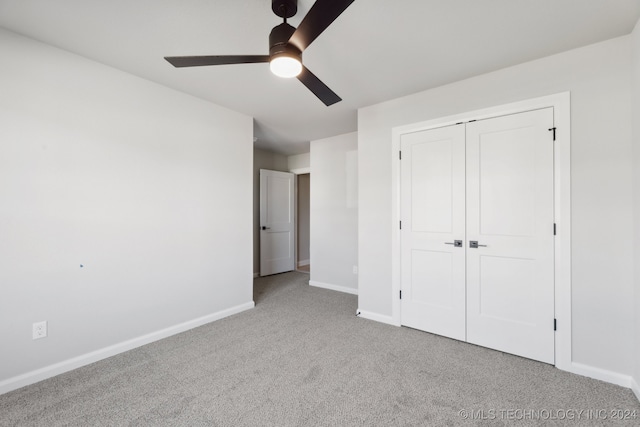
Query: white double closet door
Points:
[490, 182]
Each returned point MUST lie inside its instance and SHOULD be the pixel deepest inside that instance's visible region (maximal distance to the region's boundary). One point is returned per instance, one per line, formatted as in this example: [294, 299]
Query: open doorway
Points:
[303, 262]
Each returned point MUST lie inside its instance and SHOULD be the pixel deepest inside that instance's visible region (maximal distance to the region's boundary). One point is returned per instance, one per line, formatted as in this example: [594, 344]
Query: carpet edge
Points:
[40, 374]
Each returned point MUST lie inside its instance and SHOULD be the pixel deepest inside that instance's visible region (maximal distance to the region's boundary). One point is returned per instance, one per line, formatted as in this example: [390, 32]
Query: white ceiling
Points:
[375, 51]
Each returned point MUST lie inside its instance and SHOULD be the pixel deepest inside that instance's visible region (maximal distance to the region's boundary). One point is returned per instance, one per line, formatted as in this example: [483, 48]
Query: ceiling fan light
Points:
[285, 66]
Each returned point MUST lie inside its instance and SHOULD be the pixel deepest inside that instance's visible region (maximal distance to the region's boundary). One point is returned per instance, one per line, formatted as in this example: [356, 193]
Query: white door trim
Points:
[300, 171]
[562, 205]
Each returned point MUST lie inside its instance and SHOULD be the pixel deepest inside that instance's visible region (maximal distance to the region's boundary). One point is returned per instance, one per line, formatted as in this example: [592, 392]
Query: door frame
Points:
[561, 104]
[296, 172]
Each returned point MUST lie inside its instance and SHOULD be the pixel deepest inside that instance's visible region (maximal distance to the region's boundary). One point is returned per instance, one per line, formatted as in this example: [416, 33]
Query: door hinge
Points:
[555, 324]
[400, 155]
[400, 294]
[400, 225]
[554, 228]
[554, 132]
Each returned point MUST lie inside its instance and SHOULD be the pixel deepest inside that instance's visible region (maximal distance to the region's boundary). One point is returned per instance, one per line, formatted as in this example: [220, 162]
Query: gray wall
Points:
[304, 182]
[598, 77]
[145, 187]
[262, 159]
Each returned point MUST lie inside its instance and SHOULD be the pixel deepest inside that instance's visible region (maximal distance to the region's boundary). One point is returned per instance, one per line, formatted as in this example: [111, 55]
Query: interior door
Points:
[510, 274]
[277, 250]
[433, 220]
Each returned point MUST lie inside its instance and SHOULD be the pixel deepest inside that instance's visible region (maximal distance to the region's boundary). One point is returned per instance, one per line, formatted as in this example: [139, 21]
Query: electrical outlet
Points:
[39, 330]
[355, 269]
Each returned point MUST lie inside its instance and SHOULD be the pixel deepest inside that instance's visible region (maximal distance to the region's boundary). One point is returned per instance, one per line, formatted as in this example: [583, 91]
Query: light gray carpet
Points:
[301, 358]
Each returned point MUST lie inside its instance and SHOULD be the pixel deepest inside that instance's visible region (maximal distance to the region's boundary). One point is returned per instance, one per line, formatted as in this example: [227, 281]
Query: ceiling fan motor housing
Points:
[279, 42]
[284, 8]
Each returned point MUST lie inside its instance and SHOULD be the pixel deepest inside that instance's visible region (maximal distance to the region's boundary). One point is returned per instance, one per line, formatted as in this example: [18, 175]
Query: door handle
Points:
[474, 244]
[266, 228]
[455, 243]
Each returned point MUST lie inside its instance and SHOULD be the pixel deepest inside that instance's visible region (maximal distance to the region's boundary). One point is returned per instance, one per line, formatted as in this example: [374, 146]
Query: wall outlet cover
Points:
[39, 330]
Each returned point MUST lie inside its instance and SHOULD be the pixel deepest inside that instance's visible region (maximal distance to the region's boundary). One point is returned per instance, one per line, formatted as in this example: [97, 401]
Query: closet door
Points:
[432, 212]
[510, 279]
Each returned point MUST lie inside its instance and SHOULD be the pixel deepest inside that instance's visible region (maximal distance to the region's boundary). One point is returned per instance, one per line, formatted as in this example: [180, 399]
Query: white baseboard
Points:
[377, 317]
[575, 368]
[601, 374]
[303, 262]
[94, 356]
[333, 287]
[635, 387]
[256, 275]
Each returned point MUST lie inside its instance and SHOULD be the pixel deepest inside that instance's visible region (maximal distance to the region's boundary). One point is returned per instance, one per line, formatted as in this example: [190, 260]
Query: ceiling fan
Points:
[286, 45]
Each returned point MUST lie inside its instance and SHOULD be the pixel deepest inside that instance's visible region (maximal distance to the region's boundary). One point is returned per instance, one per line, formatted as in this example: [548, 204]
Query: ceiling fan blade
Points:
[319, 89]
[320, 16]
[196, 61]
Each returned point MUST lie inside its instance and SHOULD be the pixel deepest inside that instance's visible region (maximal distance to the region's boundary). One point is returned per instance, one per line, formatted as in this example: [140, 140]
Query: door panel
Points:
[433, 272]
[510, 281]
[507, 182]
[277, 251]
[506, 289]
[432, 186]
[278, 199]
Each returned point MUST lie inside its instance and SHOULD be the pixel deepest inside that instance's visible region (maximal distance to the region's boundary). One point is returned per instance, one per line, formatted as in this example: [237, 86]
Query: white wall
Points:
[334, 213]
[598, 77]
[147, 188]
[262, 159]
[636, 170]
